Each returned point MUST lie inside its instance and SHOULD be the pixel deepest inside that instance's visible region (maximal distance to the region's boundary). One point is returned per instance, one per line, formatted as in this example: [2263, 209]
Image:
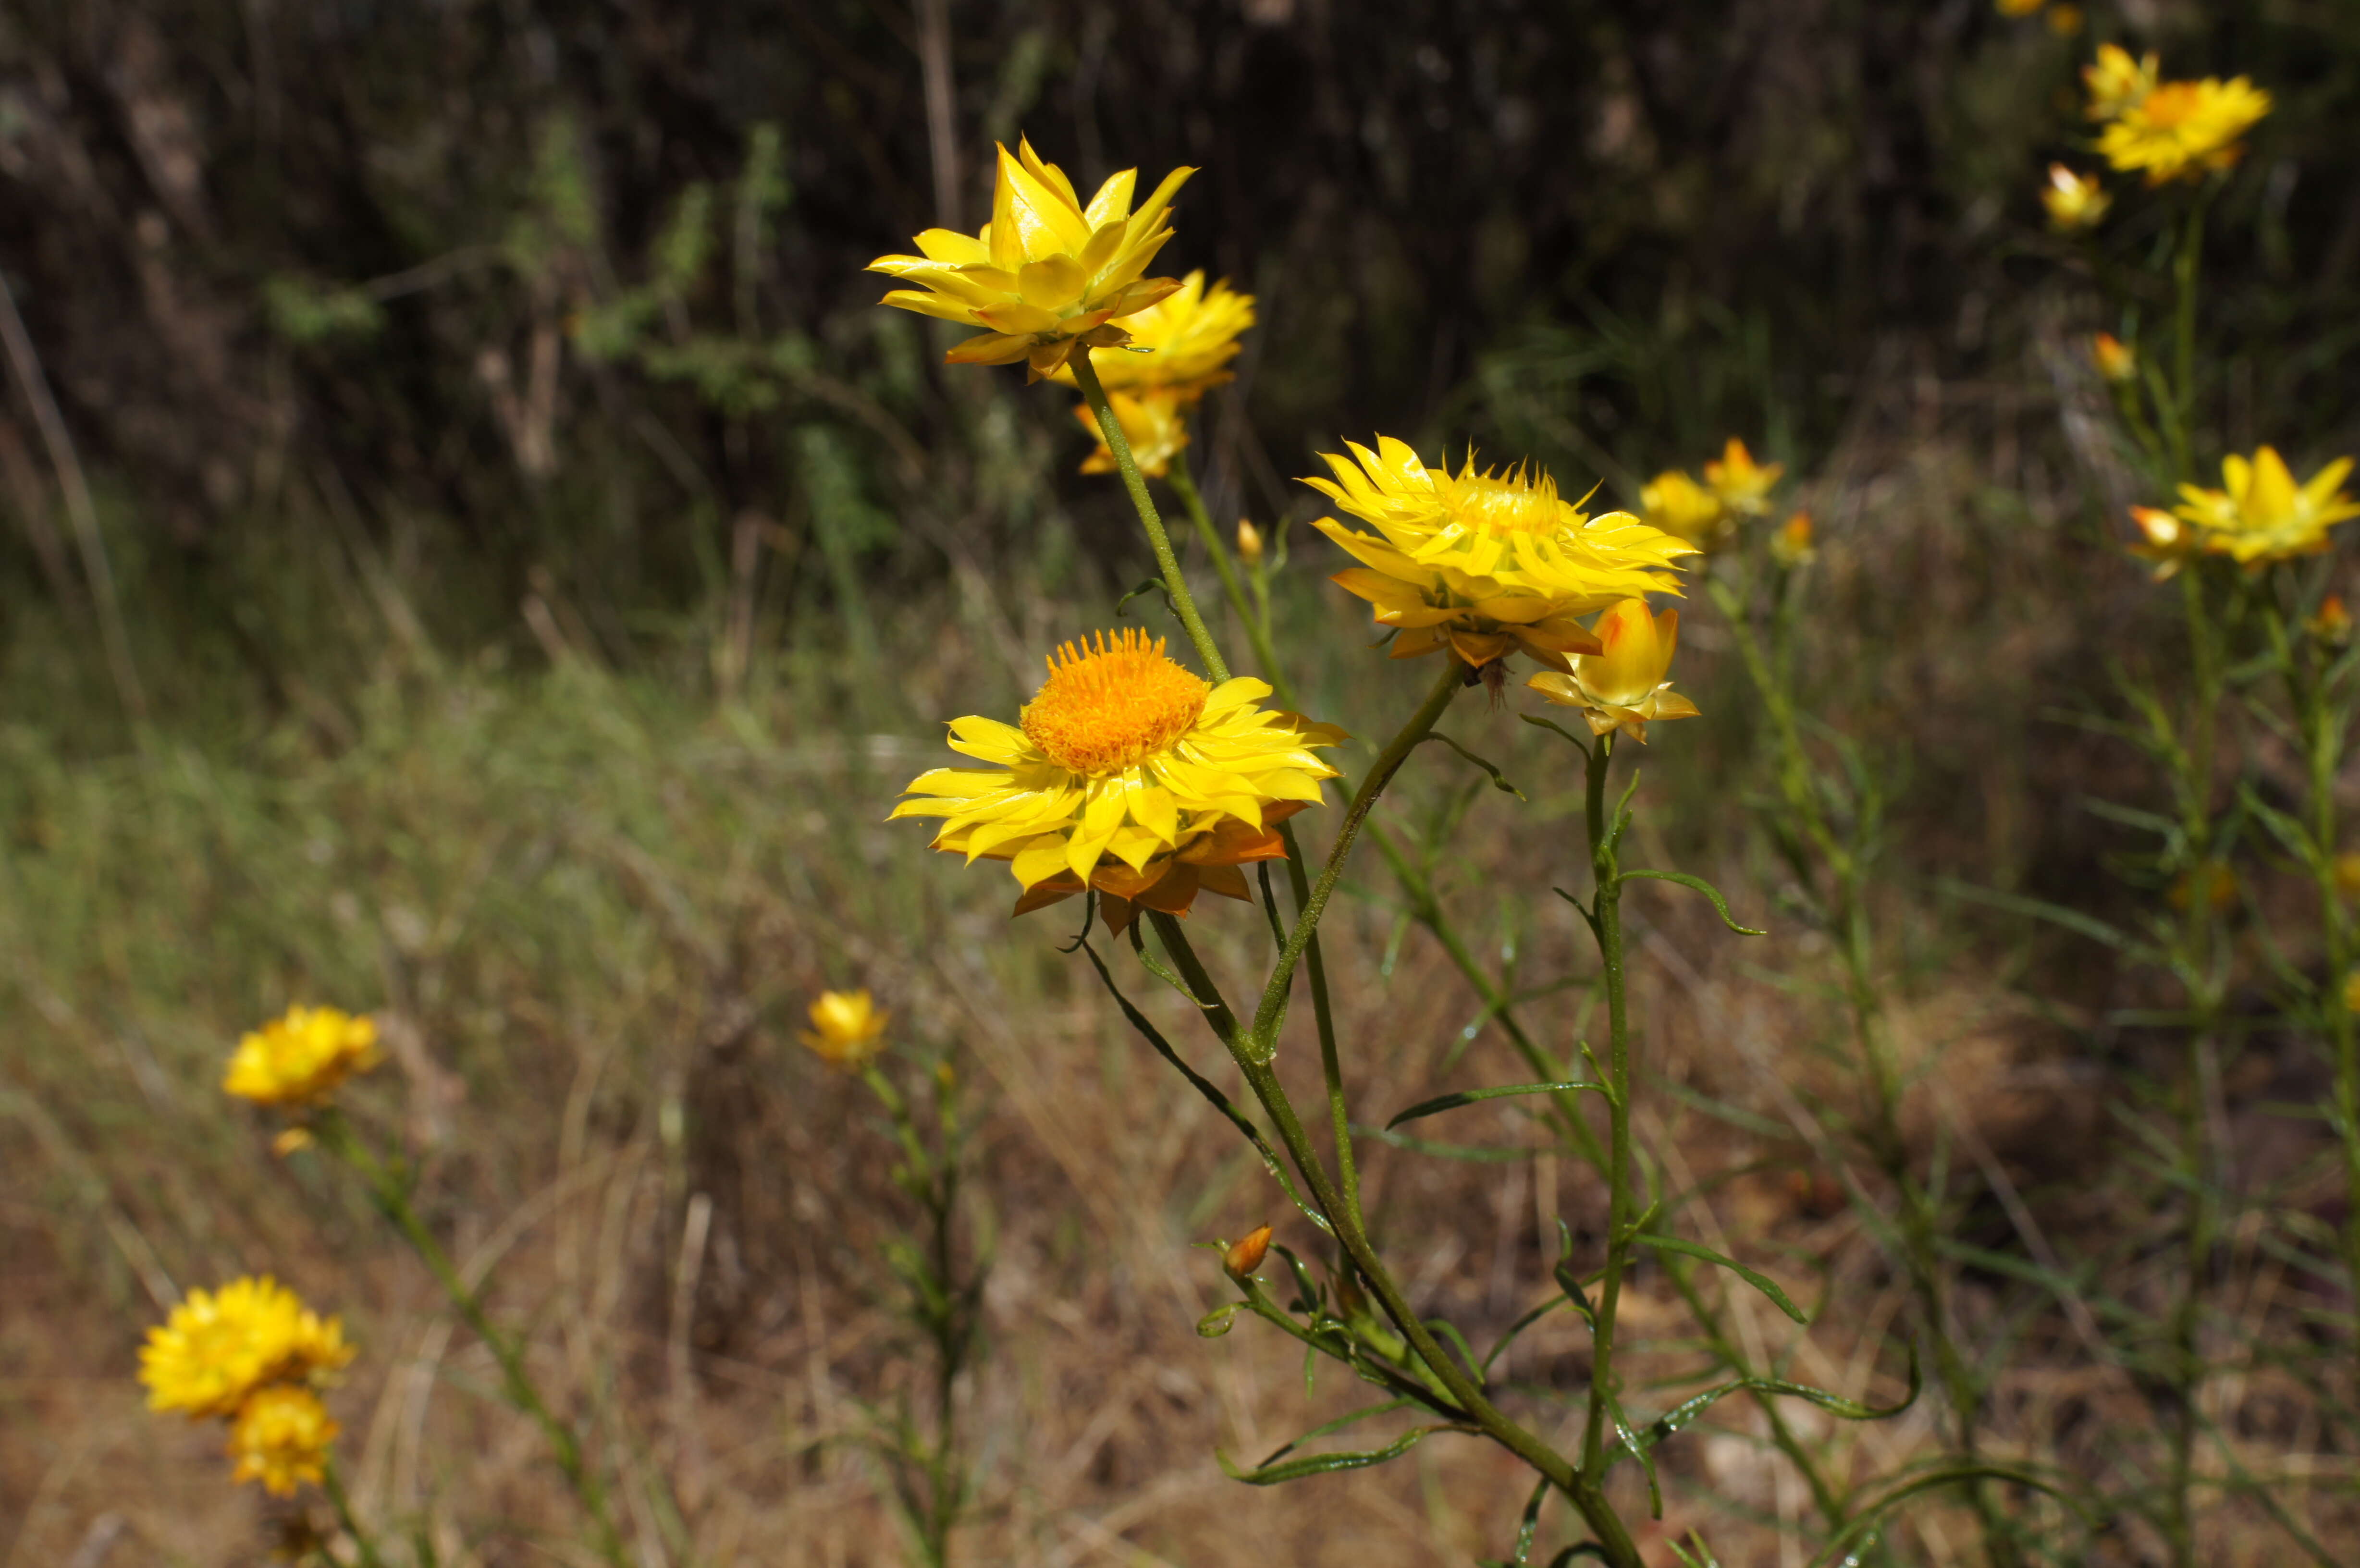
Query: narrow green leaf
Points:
[1350, 1418]
[1152, 585]
[1329, 1464]
[2073, 920]
[1862, 1526]
[1217, 1323]
[1498, 780]
[1571, 739]
[1760, 1282]
[1472, 1096]
[1719, 904]
[1469, 1153]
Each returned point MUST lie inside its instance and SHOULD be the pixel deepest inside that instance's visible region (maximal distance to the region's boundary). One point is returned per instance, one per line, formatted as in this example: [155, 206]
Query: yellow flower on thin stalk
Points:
[1485, 564]
[216, 1348]
[2075, 201]
[1190, 335]
[2116, 81]
[1128, 774]
[848, 1028]
[2116, 361]
[2331, 624]
[1154, 421]
[1622, 686]
[1792, 545]
[1250, 546]
[1741, 485]
[1678, 505]
[2180, 130]
[2262, 515]
[280, 1438]
[298, 1059]
[1048, 274]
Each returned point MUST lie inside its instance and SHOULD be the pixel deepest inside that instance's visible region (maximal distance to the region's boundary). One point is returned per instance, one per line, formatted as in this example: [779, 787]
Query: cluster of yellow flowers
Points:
[1707, 515]
[2259, 516]
[2064, 19]
[253, 1355]
[1180, 349]
[2168, 131]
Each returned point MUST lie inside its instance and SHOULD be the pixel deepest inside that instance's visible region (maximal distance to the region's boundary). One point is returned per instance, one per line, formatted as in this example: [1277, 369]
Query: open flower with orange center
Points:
[1047, 274]
[218, 1347]
[281, 1438]
[847, 1027]
[298, 1058]
[1154, 421]
[2180, 130]
[1685, 509]
[1622, 686]
[1128, 774]
[1741, 484]
[2074, 201]
[2116, 80]
[1190, 335]
[1484, 564]
[2264, 516]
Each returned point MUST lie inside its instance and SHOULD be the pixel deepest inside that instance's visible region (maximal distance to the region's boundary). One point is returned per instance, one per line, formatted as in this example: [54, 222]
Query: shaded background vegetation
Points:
[537, 552]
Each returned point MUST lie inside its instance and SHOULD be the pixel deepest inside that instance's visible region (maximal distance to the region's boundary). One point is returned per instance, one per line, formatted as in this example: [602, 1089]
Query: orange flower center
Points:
[1112, 703]
[2171, 105]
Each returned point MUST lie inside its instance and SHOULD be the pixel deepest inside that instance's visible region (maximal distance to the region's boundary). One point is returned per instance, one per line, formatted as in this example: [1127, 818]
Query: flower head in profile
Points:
[300, 1058]
[1154, 421]
[1190, 335]
[1741, 485]
[1622, 686]
[1127, 774]
[218, 1347]
[2116, 361]
[2075, 201]
[848, 1028]
[280, 1438]
[2116, 81]
[2180, 130]
[1486, 562]
[1678, 505]
[1048, 273]
[2164, 540]
[2262, 515]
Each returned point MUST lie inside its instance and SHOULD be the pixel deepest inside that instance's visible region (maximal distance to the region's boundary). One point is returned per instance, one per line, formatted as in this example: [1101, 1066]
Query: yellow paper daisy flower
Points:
[1190, 336]
[2075, 201]
[1047, 274]
[218, 1347]
[1154, 421]
[848, 1028]
[1484, 564]
[2262, 515]
[1741, 484]
[2180, 130]
[1685, 509]
[280, 1438]
[1623, 687]
[300, 1058]
[2116, 80]
[1128, 774]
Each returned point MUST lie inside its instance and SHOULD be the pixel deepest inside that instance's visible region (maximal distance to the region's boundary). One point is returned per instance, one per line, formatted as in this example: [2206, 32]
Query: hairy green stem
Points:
[1166, 563]
[1606, 924]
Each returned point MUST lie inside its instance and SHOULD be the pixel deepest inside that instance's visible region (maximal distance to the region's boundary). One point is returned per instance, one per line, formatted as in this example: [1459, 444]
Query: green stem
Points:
[1606, 924]
[334, 1485]
[386, 1191]
[1111, 430]
[1583, 1487]
[1273, 1008]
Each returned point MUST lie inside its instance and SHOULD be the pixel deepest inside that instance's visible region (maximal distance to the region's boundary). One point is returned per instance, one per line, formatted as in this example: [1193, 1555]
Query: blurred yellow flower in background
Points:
[2331, 624]
[2262, 515]
[2066, 21]
[1129, 774]
[1483, 564]
[1048, 273]
[1154, 421]
[1622, 686]
[1741, 484]
[2164, 540]
[218, 1347]
[1191, 335]
[2180, 130]
[1249, 542]
[847, 1027]
[1678, 505]
[2115, 359]
[280, 1438]
[2116, 80]
[2074, 201]
[2019, 8]
[300, 1058]
[1792, 545]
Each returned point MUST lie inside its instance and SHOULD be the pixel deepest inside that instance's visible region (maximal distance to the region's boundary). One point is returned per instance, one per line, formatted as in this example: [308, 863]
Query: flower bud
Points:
[1791, 545]
[2117, 360]
[1245, 1255]
[2333, 623]
[1249, 542]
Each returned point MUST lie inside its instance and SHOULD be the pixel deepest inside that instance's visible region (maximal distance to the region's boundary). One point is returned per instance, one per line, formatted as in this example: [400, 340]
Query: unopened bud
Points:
[287, 1142]
[1245, 1255]
[2117, 360]
[1791, 545]
[2333, 623]
[1249, 542]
